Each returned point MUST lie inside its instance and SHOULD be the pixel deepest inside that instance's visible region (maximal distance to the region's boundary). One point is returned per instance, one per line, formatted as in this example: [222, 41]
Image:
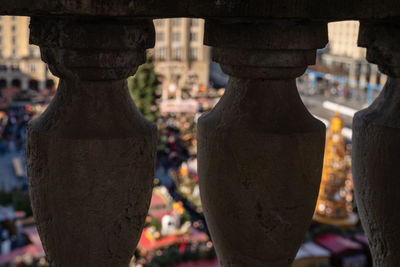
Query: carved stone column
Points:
[376, 148]
[91, 154]
[260, 150]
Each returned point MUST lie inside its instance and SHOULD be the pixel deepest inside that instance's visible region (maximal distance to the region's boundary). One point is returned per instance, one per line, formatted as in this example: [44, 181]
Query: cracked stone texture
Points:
[309, 9]
[260, 151]
[376, 166]
[376, 146]
[91, 154]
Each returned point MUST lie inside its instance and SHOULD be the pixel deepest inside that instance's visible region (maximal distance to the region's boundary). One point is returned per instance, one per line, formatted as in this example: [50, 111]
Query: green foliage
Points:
[5, 198]
[144, 89]
[22, 202]
[155, 223]
[185, 217]
[18, 199]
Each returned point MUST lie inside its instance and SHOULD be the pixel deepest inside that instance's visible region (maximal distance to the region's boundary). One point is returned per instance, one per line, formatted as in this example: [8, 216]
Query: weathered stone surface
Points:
[376, 146]
[260, 156]
[91, 154]
[272, 34]
[92, 49]
[382, 39]
[308, 9]
[376, 168]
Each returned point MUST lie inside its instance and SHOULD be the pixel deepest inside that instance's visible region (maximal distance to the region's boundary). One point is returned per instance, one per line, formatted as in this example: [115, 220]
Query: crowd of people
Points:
[176, 140]
[177, 163]
[13, 123]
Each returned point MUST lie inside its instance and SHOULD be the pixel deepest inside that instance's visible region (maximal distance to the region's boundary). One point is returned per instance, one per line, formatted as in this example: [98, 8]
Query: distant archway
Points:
[16, 83]
[3, 83]
[33, 85]
[50, 84]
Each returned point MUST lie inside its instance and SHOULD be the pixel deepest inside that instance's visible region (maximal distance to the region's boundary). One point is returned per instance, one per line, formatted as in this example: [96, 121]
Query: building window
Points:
[1, 40]
[176, 36]
[13, 28]
[32, 52]
[160, 36]
[194, 36]
[194, 53]
[14, 68]
[13, 18]
[194, 22]
[32, 67]
[14, 40]
[159, 22]
[14, 53]
[177, 53]
[1, 27]
[176, 22]
[161, 53]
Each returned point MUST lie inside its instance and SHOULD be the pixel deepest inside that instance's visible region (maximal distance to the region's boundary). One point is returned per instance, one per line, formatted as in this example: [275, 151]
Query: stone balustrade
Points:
[91, 154]
[376, 146]
[258, 187]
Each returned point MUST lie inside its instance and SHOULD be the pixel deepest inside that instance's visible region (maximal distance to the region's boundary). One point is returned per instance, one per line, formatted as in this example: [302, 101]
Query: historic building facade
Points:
[20, 62]
[179, 53]
[344, 53]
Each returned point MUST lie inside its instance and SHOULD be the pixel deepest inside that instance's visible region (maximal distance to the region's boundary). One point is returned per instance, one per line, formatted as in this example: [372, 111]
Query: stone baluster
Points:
[376, 147]
[260, 150]
[91, 154]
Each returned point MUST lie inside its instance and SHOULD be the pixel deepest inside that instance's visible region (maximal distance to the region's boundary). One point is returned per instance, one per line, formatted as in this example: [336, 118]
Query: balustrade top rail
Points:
[310, 9]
